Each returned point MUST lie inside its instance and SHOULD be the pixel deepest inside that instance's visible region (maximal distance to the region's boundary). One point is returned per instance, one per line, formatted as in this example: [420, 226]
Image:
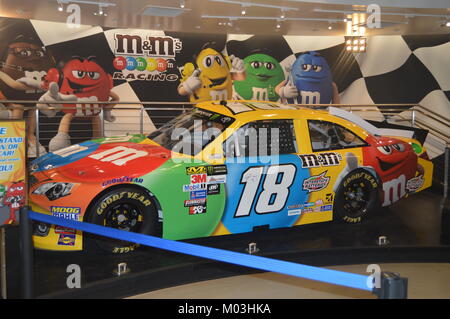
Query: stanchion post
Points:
[26, 254]
[392, 286]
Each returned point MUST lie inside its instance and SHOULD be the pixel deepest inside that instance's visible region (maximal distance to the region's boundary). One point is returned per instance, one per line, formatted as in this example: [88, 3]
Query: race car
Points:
[227, 167]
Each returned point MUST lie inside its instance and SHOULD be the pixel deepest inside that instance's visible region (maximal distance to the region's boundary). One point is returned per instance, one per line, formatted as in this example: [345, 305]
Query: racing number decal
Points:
[275, 189]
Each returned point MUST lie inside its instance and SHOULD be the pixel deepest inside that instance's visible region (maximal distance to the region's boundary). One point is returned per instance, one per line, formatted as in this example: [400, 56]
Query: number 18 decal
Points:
[275, 189]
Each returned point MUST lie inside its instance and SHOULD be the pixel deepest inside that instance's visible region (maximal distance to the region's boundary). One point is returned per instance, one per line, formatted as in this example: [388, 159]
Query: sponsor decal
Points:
[325, 208]
[217, 179]
[216, 169]
[195, 202]
[70, 213]
[293, 212]
[316, 183]
[66, 239]
[198, 194]
[195, 210]
[295, 206]
[310, 204]
[194, 187]
[213, 189]
[329, 198]
[364, 175]
[64, 230]
[319, 202]
[195, 170]
[124, 179]
[198, 178]
[322, 159]
[62, 209]
[415, 183]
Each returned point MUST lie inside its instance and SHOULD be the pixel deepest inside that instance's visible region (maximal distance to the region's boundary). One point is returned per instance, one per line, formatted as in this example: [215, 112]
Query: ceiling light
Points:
[278, 25]
[447, 24]
[330, 27]
[243, 12]
[355, 44]
[182, 4]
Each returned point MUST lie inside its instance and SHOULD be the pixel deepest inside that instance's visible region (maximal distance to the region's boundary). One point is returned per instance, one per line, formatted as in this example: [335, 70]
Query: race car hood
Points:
[97, 161]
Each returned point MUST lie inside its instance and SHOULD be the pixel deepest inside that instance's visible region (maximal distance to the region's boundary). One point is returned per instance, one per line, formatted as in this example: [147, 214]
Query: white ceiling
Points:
[315, 17]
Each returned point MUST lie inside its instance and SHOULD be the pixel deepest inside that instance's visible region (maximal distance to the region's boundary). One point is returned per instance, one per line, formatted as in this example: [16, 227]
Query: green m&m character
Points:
[2, 194]
[264, 73]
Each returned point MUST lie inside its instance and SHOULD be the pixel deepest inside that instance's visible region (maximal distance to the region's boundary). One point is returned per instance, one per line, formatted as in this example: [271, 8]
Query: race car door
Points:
[264, 176]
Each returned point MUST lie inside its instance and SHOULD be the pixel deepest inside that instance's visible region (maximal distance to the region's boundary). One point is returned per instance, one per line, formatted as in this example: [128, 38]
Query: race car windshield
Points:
[190, 132]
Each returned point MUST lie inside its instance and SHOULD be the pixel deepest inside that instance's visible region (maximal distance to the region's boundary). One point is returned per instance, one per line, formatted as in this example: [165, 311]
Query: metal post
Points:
[141, 121]
[413, 117]
[36, 115]
[392, 286]
[102, 124]
[446, 165]
[26, 254]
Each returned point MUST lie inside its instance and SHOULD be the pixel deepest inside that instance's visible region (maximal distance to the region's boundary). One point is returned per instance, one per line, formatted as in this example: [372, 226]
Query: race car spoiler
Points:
[380, 128]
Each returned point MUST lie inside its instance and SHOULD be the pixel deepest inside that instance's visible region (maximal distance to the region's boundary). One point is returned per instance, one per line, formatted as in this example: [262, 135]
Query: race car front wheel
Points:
[356, 197]
[126, 208]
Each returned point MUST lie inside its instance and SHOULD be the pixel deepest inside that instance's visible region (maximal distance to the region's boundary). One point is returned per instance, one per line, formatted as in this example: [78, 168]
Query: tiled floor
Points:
[424, 281]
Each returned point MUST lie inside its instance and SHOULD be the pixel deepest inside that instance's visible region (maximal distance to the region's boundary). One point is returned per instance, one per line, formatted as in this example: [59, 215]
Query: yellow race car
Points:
[227, 167]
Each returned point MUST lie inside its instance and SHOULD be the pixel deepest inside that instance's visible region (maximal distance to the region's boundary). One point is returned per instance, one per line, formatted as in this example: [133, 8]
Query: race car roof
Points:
[235, 108]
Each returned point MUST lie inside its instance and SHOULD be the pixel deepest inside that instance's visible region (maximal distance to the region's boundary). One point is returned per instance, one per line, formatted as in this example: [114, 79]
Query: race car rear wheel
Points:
[125, 208]
[356, 197]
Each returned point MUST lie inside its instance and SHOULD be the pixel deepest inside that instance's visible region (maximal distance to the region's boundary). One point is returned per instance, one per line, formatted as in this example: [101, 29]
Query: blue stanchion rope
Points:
[267, 264]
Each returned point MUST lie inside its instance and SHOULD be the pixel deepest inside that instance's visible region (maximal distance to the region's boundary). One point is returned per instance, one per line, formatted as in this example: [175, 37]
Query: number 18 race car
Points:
[227, 167]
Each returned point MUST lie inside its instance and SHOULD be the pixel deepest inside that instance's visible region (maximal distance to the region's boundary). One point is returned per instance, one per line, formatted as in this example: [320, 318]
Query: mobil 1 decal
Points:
[259, 194]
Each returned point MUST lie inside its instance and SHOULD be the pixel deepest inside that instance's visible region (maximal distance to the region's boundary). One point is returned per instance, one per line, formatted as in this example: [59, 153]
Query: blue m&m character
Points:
[310, 81]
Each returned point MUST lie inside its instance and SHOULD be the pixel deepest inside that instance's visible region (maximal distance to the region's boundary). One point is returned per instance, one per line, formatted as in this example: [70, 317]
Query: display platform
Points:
[417, 230]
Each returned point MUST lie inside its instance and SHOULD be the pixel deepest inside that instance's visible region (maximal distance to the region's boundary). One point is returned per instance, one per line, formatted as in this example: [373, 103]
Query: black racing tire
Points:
[126, 208]
[357, 197]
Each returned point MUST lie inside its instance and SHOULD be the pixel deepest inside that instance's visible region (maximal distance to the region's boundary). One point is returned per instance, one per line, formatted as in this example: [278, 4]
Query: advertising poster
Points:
[12, 170]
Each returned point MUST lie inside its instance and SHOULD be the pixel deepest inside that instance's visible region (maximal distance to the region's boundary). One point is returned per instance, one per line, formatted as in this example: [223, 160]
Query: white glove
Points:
[237, 65]
[193, 82]
[108, 116]
[52, 98]
[5, 114]
[288, 91]
[33, 79]
[31, 82]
